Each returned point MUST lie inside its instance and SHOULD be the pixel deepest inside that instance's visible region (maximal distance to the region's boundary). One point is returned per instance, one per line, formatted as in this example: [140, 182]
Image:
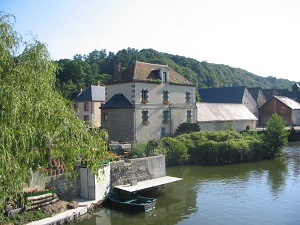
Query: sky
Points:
[260, 36]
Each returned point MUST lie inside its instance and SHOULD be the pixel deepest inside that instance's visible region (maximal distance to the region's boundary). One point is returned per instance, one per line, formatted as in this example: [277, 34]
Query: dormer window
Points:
[164, 75]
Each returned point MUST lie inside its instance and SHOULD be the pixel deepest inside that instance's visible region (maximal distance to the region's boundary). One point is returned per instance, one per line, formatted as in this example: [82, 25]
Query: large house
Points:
[218, 116]
[147, 101]
[234, 95]
[87, 104]
[287, 108]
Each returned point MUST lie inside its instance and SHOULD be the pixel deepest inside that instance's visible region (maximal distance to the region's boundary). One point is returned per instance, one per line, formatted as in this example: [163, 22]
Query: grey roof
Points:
[222, 94]
[288, 102]
[254, 92]
[118, 101]
[223, 112]
[93, 93]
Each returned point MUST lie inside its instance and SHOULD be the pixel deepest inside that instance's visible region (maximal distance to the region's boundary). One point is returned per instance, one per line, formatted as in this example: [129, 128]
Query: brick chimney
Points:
[117, 71]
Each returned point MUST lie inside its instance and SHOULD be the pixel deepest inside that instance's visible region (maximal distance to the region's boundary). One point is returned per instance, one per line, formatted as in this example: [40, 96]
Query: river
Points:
[266, 192]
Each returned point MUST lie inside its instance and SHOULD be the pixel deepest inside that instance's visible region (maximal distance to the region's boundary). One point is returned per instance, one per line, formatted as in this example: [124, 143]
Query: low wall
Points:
[133, 170]
[67, 188]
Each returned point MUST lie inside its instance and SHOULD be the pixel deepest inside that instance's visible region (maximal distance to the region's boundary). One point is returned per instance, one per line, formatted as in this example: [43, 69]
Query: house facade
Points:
[149, 101]
[287, 108]
[87, 105]
[218, 116]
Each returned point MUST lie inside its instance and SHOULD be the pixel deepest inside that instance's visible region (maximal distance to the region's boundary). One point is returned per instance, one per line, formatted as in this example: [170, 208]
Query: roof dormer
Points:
[164, 75]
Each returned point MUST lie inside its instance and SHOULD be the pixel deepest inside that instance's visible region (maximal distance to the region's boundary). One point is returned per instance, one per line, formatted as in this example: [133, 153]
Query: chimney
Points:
[117, 71]
[98, 83]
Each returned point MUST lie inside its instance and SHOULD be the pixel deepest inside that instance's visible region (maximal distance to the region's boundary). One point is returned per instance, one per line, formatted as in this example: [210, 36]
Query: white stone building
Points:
[147, 101]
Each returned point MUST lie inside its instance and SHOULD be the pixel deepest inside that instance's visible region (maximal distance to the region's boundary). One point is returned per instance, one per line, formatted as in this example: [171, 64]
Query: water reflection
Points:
[264, 192]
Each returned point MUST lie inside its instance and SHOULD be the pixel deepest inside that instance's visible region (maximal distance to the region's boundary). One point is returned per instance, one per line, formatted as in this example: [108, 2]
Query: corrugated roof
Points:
[93, 93]
[118, 101]
[288, 102]
[141, 71]
[223, 112]
[222, 94]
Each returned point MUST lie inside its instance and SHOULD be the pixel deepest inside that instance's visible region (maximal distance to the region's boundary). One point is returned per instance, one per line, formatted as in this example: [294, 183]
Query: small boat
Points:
[137, 203]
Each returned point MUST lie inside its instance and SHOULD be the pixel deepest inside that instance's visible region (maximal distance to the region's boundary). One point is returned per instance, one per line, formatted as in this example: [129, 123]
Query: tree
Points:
[276, 137]
[36, 121]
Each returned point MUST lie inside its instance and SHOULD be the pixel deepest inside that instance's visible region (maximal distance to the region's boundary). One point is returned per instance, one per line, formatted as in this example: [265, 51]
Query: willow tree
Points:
[36, 123]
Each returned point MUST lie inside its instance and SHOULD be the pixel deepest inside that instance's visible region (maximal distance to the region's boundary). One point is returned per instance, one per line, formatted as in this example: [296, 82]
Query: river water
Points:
[266, 192]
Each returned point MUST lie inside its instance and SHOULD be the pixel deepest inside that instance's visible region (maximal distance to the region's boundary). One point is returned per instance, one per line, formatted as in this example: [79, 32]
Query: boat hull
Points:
[136, 203]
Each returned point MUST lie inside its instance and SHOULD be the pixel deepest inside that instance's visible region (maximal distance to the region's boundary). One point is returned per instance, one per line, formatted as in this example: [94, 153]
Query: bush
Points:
[174, 150]
[212, 148]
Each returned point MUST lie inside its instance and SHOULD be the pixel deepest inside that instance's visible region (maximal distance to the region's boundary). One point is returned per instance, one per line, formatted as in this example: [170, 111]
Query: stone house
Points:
[147, 101]
[287, 108]
[87, 104]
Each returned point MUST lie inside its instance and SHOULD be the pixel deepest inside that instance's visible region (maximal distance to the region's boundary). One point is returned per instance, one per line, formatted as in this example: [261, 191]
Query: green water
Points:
[266, 192]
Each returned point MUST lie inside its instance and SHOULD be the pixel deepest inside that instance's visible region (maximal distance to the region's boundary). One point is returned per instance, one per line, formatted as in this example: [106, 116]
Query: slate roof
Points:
[118, 101]
[222, 94]
[288, 102]
[93, 93]
[223, 112]
[141, 71]
[254, 92]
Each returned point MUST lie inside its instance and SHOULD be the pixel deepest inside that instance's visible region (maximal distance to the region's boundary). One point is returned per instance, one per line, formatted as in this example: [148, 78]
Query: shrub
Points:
[174, 150]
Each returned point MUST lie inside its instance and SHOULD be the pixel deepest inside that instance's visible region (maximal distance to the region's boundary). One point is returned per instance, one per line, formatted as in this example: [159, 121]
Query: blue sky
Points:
[260, 36]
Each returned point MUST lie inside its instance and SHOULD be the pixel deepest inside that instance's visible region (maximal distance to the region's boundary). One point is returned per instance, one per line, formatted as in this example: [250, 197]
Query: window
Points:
[145, 96]
[165, 97]
[145, 117]
[105, 116]
[86, 118]
[86, 106]
[189, 116]
[166, 116]
[75, 106]
[188, 97]
[165, 77]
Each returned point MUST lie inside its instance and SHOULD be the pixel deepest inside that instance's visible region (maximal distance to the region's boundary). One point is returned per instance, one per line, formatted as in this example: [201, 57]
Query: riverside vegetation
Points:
[224, 147]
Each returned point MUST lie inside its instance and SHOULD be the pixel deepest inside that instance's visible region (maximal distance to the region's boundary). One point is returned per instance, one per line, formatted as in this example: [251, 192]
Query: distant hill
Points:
[84, 70]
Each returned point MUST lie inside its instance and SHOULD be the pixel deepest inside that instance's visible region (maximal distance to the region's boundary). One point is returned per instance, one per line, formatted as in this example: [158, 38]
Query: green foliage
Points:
[174, 150]
[202, 74]
[212, 148]
[228, 125]
[276, 137]
[25, 217]
[186, 128]
[36, 121]
[138, 150]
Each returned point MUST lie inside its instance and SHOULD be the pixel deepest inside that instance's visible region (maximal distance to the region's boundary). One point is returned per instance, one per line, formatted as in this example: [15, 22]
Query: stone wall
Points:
[135, 170]
[67, 188]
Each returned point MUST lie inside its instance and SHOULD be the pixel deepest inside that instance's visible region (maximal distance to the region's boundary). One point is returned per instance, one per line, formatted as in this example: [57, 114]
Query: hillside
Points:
[84, 70]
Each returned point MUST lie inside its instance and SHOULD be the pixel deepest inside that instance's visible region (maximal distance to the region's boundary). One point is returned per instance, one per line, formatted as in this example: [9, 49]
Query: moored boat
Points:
[137, 203]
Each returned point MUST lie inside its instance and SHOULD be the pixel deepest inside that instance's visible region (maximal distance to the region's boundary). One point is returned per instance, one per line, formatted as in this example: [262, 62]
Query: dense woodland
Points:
[84, 70]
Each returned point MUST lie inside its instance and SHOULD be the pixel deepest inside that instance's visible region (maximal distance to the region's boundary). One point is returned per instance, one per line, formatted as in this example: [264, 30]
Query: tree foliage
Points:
[36, 121]
[276, 137]
[202, 74]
